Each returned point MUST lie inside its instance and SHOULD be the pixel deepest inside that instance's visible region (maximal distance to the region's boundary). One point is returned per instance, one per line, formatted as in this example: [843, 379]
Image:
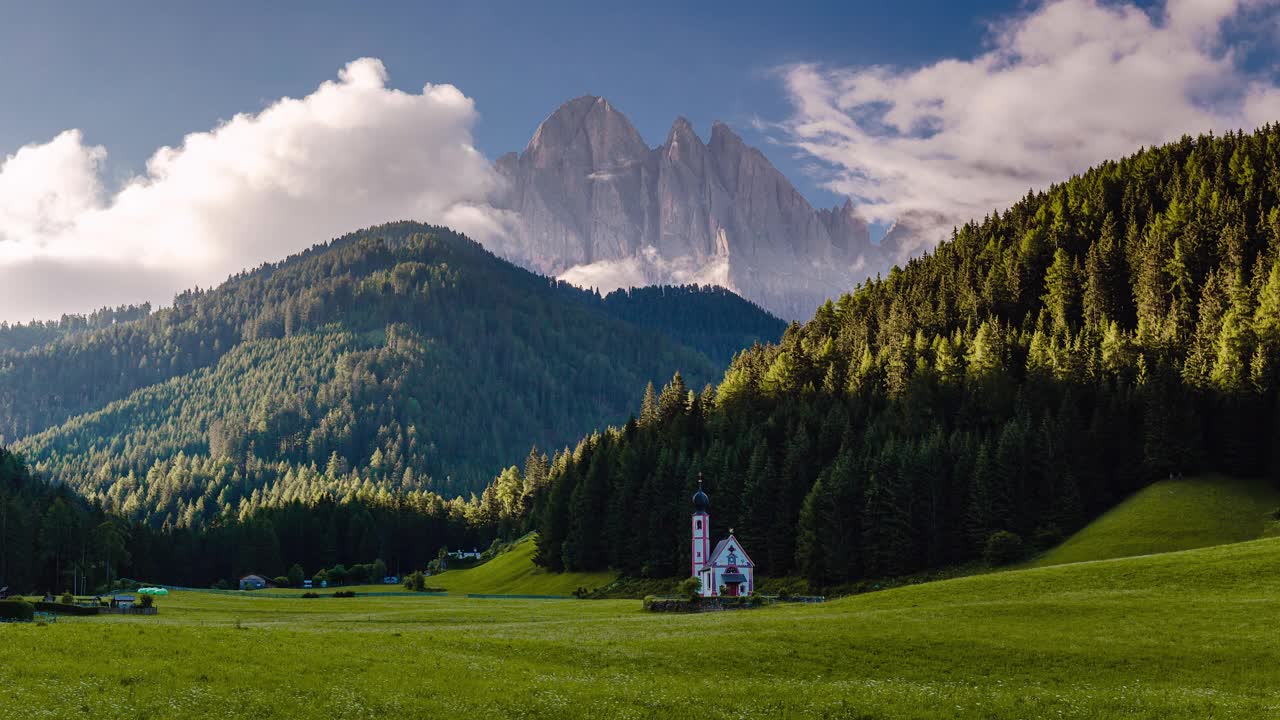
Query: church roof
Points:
[700, 500]
[723, 545]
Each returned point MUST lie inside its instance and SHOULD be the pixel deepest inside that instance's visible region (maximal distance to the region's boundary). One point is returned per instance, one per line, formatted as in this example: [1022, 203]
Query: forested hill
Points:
[401, 357]
[1042, 364]
[24, 336]
[710, 318]
[54, 540]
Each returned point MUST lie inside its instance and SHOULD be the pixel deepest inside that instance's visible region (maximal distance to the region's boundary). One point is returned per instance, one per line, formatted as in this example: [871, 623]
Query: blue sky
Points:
[135, 76]
[146, 148]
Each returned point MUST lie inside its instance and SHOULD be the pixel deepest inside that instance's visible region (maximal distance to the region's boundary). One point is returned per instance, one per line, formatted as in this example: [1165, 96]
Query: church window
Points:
[697, 524]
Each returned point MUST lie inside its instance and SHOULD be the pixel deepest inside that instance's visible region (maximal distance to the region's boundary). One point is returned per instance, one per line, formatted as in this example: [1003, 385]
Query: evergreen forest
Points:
[1029, 373]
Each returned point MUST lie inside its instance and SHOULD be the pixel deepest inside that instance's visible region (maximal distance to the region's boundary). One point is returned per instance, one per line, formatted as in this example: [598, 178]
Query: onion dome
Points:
[700, 500]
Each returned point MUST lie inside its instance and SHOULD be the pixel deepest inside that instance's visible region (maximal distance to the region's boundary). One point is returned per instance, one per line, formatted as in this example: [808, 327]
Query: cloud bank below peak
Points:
[352, 153]
[1061, 87]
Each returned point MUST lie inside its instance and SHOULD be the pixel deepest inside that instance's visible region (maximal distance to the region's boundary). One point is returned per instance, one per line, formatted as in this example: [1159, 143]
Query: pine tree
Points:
[886, 523]
[811, 534]
[980, 512]
[1213, 305]
[1266, 319]
[1010, 468]
[649, 406]
[1160, 440]
[793, 482]
[758, 505]
[1235, 342]
[1062, 289]
[986, 354]
[553, 527]
[674, 398]
[841, 520]
[583, 549]
[1150, 291]
[536, 468]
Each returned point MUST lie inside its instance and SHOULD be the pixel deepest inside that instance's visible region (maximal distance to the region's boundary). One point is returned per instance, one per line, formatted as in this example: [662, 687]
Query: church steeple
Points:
[700, 499]
[701, 548]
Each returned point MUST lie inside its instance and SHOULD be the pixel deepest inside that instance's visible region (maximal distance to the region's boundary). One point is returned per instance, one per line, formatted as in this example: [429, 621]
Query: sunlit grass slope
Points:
[513, 573]
[1177, 635]
[1174, 515]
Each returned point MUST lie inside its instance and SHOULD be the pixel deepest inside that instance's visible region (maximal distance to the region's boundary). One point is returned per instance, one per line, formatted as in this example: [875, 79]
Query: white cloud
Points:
[353, 153]
[608, 275]
[648, 268]
[44, 189]
[1062, 87]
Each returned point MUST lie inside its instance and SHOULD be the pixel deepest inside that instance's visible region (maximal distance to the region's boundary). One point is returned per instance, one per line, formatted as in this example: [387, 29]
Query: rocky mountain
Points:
[595, 205]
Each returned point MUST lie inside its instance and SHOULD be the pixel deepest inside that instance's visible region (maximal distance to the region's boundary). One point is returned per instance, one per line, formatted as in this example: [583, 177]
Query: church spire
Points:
[700, 500]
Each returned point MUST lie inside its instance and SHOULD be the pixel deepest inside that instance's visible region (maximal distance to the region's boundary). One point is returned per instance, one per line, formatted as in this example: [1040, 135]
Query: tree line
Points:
[54, 540]
[19, 337]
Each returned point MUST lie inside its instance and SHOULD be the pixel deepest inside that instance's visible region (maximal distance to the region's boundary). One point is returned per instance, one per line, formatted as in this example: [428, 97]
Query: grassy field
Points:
[511, 573]
[1188, 634]
[1174, 515]
[514, 573]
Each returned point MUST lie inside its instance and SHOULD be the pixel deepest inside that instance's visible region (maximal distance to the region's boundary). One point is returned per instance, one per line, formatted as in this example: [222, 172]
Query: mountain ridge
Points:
[593, 204]
[404, 355]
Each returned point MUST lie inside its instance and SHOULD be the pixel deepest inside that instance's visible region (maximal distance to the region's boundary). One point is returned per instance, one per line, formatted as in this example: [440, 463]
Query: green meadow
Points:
[513, 572]
[1185, 634]
[509, 573]
[1178, 514]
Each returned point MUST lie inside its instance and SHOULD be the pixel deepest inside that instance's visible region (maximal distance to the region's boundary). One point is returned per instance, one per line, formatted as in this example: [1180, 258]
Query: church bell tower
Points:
[701, 551]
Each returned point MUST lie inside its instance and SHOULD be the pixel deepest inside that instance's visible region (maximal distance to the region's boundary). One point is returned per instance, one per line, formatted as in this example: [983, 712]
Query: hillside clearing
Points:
[1171, 515]
[510, 573]
[514, 573]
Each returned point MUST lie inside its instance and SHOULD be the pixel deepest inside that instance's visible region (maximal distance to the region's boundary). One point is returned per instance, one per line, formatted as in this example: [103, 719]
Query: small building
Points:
[254, 582]
[123, 602]
[464, 555]
[727, 570]
[391, 580]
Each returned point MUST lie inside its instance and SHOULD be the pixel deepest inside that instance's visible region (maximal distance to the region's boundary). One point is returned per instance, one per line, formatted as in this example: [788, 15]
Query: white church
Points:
[726, 570]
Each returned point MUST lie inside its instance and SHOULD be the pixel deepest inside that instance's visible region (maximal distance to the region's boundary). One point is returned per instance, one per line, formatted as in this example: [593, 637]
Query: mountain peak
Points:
[577, 109]
[682, 132]
[850, 234]
[722, 134]
[846, 208]
[609, 136]
[596, 205]
[582, 101]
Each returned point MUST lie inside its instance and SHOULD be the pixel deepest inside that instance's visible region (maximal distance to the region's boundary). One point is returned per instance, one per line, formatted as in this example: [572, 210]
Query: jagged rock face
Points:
[579, 188]
[595, 205]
